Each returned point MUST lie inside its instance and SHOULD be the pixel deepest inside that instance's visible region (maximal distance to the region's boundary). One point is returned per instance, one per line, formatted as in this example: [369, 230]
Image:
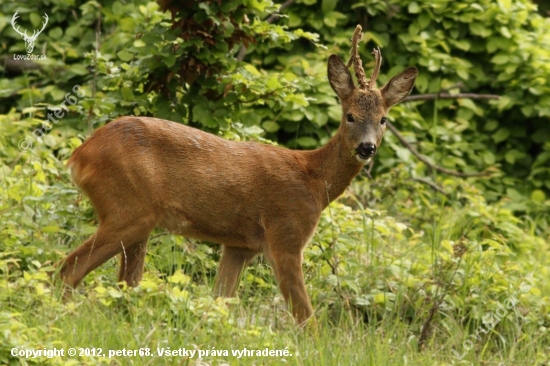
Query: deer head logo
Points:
[29, 40]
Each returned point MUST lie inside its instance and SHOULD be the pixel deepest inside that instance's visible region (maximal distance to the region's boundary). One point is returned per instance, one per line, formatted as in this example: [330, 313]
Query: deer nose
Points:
[366, 149]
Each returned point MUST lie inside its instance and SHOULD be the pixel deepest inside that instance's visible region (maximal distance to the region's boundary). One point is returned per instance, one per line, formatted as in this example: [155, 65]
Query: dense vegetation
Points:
[411, 266]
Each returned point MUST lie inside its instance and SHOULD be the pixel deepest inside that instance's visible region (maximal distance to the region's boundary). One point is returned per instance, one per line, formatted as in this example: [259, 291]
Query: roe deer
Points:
[140, 173]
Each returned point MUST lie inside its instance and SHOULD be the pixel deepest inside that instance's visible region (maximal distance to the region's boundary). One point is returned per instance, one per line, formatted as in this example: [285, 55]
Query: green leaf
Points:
[538, 196]
[127, 93]
[307, 141]
[513, 155]
[258, 5]
[424, 20]
[335, 112]
[491, 125]
[330, 20]
[514, 194]
[488, 157]
[414, 8]
[504, 103]
[56, 33]
[139, 43]
[170, 60]
[271, 126]
[36, 20]
[51, 229]
[479, 29]
[527, 110]
[79, 69]
[250, 68]
[500, 59]
[204, 116]
[124, 55]
[328, 5]
[273, 82]
[462, 44]
[501, 135]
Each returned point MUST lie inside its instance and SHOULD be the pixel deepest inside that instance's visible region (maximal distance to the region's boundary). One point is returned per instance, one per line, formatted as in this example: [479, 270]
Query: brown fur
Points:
[141, 173]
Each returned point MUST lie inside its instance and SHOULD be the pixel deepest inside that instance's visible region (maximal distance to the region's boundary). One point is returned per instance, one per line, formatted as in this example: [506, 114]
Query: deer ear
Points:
[339, 77]
[399, 86]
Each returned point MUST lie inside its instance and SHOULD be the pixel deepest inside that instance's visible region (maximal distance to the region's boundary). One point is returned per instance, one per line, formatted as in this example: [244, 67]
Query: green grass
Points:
[153, 318]
[376, 278]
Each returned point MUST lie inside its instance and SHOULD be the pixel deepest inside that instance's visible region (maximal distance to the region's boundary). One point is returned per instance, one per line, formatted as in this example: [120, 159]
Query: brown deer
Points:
[141, 173]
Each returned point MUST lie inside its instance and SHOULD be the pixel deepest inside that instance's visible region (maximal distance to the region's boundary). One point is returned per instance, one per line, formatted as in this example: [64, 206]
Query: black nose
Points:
[366, 149]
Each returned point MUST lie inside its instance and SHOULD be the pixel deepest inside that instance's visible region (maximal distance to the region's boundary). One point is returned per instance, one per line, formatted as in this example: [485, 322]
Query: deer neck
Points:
[331, 169]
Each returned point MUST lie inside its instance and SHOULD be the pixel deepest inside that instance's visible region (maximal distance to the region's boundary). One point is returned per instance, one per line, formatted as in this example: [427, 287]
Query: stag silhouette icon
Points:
[29, 40]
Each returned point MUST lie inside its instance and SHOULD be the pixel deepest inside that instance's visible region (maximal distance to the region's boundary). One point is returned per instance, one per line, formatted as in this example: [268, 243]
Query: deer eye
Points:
[349, 118]
[383, 121]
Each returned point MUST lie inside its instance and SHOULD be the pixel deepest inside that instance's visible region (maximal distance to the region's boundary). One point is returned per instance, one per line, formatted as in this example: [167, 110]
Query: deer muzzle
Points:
[365, 151]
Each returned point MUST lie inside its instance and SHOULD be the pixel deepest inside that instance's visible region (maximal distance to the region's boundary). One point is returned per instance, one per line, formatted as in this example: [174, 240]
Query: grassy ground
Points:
[160, 319]
[452, 273]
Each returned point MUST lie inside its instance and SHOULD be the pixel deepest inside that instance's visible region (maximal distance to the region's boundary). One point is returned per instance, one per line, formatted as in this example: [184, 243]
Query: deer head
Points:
[364, 108]
[29, 40]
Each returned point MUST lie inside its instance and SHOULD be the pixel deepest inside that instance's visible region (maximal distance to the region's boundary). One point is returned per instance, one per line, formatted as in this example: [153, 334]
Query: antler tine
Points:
[355, 59]
[37, 32]
[13, 24]
[46, 18]
[378, 57]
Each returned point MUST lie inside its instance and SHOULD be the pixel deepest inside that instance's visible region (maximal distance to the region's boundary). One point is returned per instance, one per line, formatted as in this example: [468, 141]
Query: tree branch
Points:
[272, 18]
[368, 168]
[423, 159]
[450, 96]
[431, 184]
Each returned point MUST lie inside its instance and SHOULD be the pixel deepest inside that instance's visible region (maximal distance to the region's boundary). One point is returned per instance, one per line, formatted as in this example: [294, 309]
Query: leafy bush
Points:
[410, 259]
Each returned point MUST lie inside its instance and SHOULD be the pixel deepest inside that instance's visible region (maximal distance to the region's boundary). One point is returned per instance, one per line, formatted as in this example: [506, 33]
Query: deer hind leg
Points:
[109, 240]
[287, 267]
[232, 264]
[132, 263]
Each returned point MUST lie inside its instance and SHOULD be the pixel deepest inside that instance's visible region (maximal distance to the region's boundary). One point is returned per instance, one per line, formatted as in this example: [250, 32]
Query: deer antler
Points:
[43, 25]
[25, 35]
[355, 59]
[378, 57]
[13, 23]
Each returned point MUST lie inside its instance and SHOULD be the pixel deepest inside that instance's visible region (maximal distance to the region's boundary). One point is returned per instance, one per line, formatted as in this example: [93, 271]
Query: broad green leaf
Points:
[204, 116]
[538, 196]
[414, 8]
[501, 134]
[500, 59]
[307, 141]
[125, 55]
[328, 5]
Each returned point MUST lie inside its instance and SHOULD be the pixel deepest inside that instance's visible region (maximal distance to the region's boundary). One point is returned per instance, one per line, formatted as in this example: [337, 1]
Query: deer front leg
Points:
[232, 264]
[288, 271]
